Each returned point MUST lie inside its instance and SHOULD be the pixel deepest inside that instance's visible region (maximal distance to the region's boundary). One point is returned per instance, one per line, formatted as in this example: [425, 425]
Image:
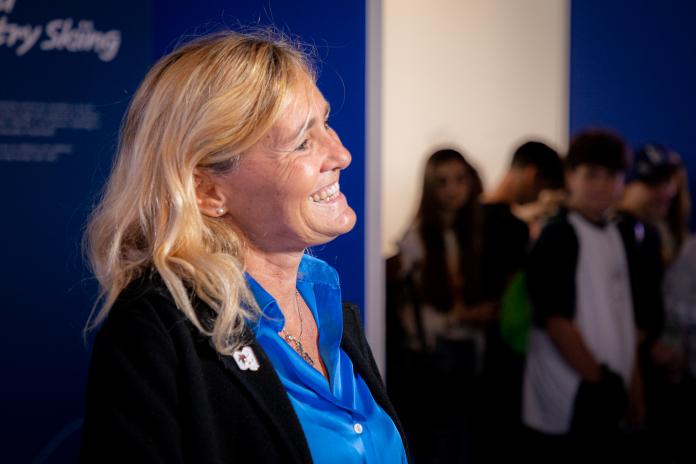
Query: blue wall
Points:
[633, 68]
[47, 291]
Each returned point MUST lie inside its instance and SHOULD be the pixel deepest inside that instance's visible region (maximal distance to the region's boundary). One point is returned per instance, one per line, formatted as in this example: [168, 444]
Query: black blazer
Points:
[159, 393]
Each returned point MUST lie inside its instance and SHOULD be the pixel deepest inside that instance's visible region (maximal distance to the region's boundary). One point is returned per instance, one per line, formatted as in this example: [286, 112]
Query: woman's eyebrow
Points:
[308, 124]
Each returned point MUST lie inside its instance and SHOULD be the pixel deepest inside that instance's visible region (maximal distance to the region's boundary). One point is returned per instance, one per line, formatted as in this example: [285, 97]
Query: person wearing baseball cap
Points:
[650, 190]
[651, 185]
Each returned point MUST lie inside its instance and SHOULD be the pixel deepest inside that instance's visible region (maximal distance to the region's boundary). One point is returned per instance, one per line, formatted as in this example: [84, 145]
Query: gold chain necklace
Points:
[296, 343]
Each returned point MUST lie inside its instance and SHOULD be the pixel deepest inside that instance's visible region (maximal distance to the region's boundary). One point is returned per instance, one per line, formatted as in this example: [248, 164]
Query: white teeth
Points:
[327, 193]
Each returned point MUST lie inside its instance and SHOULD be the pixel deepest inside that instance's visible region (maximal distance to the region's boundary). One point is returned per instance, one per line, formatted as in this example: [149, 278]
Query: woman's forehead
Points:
[303, 104]
[450, 167]
[304, 98]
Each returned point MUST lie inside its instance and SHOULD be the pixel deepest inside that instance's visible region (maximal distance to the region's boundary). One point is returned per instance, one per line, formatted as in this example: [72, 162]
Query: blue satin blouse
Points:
[340, 418]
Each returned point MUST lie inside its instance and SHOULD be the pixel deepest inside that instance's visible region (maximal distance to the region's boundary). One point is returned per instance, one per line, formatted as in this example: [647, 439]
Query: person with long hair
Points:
[444, 317]
[650, 190]
[220, 339]
[442, 248]
[653, 215]
[679, 401]
[674, 226]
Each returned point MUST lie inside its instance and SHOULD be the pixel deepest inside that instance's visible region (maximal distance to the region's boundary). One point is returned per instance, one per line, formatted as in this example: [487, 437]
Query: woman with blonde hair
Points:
[220, 339]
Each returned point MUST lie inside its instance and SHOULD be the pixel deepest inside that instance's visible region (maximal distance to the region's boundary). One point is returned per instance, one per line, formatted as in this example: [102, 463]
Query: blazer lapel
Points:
[374, 383]
[265, 387]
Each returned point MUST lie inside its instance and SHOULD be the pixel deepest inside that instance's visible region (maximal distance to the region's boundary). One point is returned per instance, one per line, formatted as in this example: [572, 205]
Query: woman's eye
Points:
[326, 124]
[303, 146]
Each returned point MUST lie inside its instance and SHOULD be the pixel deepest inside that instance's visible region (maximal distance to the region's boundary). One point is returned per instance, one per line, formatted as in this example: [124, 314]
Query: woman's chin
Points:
[332, 227]
[347, 220]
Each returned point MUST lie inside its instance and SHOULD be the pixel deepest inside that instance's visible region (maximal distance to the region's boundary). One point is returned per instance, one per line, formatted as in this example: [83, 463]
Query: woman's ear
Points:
[209, 196]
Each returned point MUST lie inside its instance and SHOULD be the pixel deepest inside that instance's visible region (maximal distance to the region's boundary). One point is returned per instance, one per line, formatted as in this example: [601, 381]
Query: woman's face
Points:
[452, 185]
[284, 193]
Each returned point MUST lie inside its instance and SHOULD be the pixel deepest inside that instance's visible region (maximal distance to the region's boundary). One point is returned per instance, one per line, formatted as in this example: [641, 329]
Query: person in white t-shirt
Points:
[581, 378]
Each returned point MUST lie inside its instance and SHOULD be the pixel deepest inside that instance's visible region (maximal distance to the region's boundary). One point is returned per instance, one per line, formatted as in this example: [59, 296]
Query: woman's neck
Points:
[275, 272]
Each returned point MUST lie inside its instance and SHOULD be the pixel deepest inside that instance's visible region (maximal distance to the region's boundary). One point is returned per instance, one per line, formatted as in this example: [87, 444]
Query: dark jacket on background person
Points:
[505, 247]
[158, 392]
[643, 253]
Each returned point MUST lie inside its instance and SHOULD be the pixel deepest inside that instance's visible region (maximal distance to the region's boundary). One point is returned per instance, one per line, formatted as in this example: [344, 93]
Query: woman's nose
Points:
[337, 156]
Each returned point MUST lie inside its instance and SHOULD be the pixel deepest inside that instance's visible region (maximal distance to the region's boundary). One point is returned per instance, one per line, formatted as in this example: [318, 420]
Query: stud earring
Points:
[220, 211]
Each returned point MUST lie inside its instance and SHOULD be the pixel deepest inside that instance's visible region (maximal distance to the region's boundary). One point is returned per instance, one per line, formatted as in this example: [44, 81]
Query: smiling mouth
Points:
[326, 194]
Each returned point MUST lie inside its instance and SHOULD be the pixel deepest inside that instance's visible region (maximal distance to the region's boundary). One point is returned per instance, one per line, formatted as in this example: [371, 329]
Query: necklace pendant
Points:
[297, 346]
[306, 357]
[295, 342]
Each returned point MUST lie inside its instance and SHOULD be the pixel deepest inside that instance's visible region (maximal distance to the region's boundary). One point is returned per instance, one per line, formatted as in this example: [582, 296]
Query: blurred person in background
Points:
[650, 190]
[535, 169]
[511, 214]
[653, 218]
[677, 419]
[436, 299]
[582, 378]
[679, 286]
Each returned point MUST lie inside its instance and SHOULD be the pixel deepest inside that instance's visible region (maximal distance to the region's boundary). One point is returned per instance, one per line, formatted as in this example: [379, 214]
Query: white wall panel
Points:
[482, 75]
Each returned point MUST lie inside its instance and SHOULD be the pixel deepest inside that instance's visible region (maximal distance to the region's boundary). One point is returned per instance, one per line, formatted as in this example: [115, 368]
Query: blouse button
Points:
[358, 428]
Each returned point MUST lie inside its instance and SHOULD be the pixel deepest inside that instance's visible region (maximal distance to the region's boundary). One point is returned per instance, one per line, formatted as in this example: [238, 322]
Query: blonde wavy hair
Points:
[198, 108]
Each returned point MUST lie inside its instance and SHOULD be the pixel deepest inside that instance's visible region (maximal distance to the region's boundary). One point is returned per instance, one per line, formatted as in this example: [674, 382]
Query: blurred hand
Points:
[600, 406]
[546, 204]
